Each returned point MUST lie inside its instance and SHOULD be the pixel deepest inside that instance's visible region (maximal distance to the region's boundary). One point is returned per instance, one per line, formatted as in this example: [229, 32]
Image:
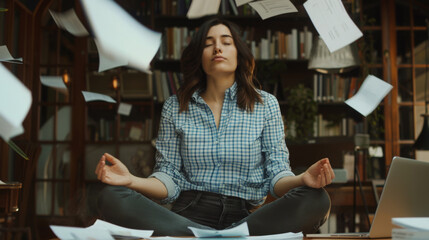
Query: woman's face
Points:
[220, 53]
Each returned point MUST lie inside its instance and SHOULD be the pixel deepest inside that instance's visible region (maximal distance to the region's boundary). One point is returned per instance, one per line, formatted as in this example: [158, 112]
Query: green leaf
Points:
[3, 9]
[17, 150]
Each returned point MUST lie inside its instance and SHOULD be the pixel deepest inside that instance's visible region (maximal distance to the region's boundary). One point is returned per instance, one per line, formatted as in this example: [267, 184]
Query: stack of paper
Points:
[413, 228]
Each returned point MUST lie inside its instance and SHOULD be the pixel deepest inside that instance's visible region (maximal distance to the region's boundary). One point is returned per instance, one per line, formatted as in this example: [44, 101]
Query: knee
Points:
[320, 198]
[109, 197]
[316, 200]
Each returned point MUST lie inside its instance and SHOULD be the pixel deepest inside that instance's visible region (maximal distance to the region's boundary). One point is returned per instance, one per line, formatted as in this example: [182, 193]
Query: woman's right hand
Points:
[114, 174]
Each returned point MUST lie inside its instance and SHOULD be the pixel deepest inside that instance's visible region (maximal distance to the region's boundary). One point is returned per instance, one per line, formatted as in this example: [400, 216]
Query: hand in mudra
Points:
[319, 174]
[115, 173]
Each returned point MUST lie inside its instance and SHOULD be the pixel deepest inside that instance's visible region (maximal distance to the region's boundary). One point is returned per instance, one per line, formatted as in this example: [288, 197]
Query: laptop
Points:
[405, 194]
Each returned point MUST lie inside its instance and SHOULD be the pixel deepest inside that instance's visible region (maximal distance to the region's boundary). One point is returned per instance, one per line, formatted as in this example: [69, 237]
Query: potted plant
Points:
[300, 114]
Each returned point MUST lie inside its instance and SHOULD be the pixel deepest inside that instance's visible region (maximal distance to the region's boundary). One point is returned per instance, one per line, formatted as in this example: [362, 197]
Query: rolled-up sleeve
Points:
[274, 148]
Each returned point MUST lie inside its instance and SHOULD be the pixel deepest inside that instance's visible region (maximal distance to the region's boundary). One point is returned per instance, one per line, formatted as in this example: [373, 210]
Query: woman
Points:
[220, 151]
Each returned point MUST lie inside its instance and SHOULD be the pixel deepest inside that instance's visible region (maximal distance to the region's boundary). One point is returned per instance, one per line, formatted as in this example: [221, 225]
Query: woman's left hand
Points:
[319, 174]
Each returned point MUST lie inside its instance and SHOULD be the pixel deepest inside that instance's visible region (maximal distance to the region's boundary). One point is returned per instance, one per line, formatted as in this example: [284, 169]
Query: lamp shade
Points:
[342, 60]
[422, 142]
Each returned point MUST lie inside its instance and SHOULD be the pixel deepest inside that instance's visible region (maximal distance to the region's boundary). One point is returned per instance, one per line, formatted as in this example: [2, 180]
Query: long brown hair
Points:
[194, 77]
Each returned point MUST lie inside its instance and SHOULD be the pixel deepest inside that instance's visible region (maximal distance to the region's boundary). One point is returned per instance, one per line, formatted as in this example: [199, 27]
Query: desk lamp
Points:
[340, 61]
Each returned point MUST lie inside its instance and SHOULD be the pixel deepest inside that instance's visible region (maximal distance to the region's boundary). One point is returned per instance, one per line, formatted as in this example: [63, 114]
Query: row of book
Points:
[294, 45]
[323, 127]
[165, 84]
[181, 7]
[333, 88]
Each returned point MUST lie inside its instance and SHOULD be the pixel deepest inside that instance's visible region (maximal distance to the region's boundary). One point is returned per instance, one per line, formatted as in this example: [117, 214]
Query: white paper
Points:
[271, 8]
[370, 94]
[6, 57]
[91, 96]
[332, 23]
[124, 109]
[106, 61]
[281, 236]
[120, 36]
[15, 102]
[120, 231]
[241, 2]
[71, 233]
[69, 21]
[100, 230]
[200, 8]
[53, 82]
[1, 182]
[417, 223]
[238, 231]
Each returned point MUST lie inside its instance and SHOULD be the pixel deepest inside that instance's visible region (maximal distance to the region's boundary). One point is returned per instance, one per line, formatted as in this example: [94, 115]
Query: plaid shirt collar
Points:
[230, 93]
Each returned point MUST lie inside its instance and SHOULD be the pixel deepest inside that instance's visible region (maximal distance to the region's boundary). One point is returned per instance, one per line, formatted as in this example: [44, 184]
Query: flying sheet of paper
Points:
[6, 57]
[124, 109]
[332, 23]
[91, 96]
[370, 94]
[69, 21]
[106, 62]
[238, 231]
[271, 8]
[53, 82]
[417, 223]
[15, 101]
[200, 8]
[241, 2]
[120, 36]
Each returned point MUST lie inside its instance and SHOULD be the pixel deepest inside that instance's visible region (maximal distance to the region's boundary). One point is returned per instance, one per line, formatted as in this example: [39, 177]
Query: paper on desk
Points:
[99, 230]
[417, 223]
[241, 2]
[15, 101]
[125, 109]
[106, 62]
[6, 57]
[91, 96]
[332, 23]
[120, 231]
[271, 8]
[200, 8]
[53, 82]
[238, 231]
[69, 21]
[370, 94]
[281, 236]
[71, 233]
[120, 36]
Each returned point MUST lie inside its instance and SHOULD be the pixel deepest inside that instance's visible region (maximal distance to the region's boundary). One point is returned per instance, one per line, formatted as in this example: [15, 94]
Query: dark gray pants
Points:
[301, 209]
